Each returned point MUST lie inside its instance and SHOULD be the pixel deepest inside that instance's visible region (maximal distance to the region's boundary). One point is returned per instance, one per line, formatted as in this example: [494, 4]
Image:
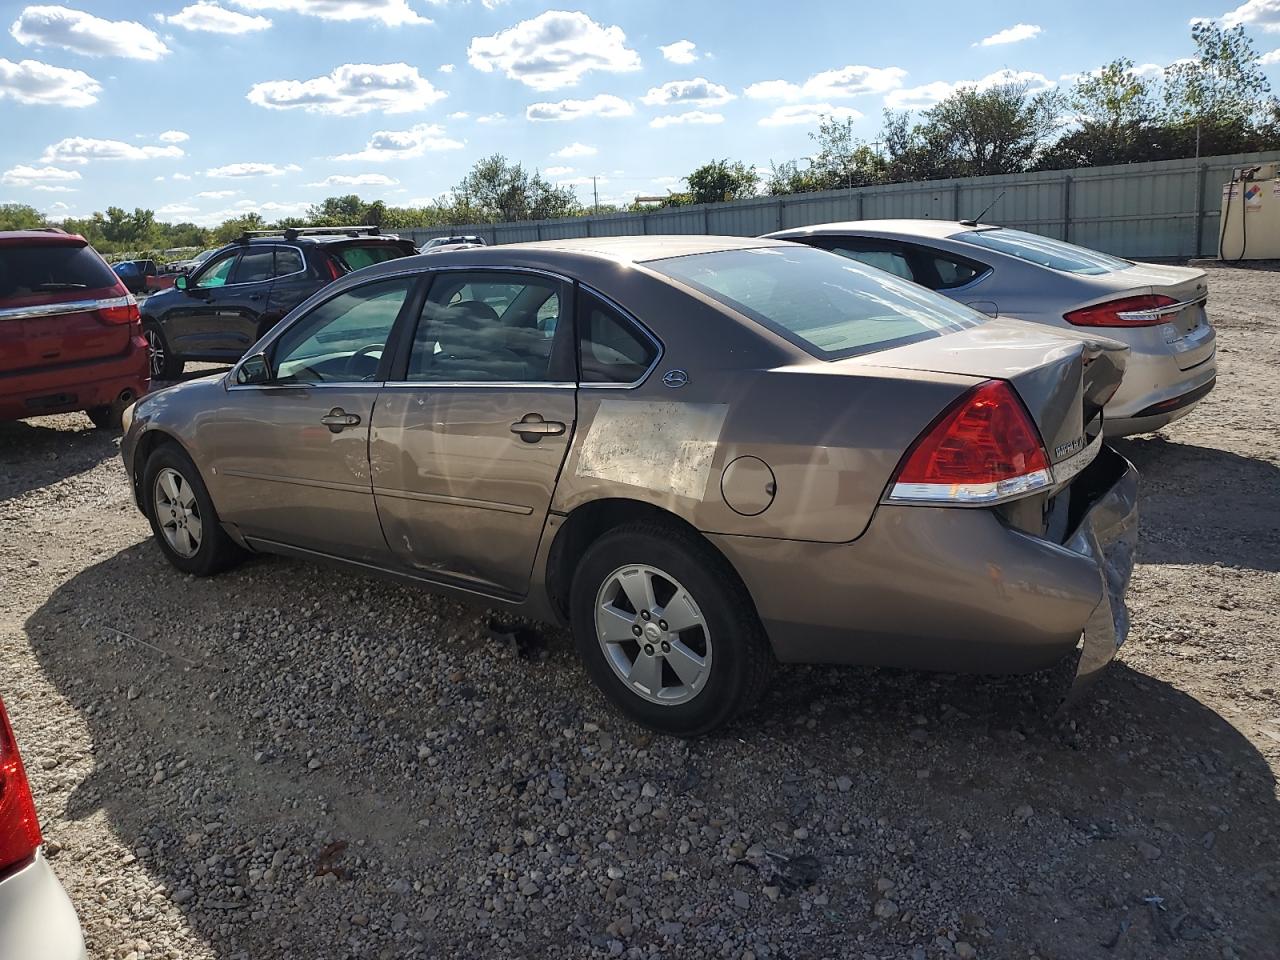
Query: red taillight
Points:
[1147, 310]
[984, 448]
[19, 828]
[120, 311]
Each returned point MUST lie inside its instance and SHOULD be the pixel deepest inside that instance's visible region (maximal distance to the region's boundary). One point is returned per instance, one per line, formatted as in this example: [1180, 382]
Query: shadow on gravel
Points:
[48, 454]
[1145, 826]
[1201, 505]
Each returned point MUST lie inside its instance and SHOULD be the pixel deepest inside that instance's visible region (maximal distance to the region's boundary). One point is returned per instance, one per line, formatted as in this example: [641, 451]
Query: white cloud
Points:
[1269, 58]
[1264, 14]
[59, 206]
[31, 81]
[173, 136]
[251, 169]
[446, 68]
[850, 81]
[84, 149]
[402, 144]
[689, 116]
[807, 113]
[582, 182]
[27, 176]
[491, 118]
[176, 209]
[216, 194]
[206, 17]
[182, 176]
[558, 171]
[390, 13]
[83, 33]
[356, 180]
[271, 210]
[601, 105]
[682, 51]
[159, 179]
[459, 115]
[553, 50]
[351, 89]
[699, 90]
[930, 93]
[46, 188]
[575, 149]
[1015, 34]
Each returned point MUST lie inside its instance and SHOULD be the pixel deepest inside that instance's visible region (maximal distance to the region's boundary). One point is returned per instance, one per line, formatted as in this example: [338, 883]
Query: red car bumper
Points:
[76, 386]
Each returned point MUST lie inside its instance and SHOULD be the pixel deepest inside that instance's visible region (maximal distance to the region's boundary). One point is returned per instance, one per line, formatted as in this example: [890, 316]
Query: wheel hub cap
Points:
[178, 512]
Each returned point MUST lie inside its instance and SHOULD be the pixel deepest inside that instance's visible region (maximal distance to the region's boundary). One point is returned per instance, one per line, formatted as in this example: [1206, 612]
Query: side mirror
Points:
[180, 282]
[254, 369]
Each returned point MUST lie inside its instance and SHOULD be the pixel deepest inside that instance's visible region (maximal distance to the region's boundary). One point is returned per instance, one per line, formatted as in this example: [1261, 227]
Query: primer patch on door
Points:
[663, 447]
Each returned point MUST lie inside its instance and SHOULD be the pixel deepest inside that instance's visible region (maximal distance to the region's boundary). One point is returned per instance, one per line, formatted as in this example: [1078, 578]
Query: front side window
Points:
[342, 340]
[486, 328]
[611, 349]
[218, 272]
[828, 306]
[1054, 254]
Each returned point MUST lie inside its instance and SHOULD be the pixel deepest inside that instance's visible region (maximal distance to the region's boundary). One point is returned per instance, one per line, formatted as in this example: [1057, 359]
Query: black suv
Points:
[247, 287]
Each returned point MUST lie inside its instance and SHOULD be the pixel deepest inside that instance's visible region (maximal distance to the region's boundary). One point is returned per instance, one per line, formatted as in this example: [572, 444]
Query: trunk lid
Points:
[51, 288]
[1188, 328]
[1064, 377]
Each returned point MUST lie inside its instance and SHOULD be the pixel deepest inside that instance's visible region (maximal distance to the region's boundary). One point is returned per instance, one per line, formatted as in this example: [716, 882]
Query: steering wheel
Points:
[365, 351]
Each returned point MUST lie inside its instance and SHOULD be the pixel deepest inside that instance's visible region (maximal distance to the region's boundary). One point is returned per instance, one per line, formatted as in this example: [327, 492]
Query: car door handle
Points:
[338, 420]
[533, 428]
[255, 296]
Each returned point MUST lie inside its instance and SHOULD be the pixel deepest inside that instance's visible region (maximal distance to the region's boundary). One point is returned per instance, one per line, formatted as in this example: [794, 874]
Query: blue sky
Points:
[201, 109]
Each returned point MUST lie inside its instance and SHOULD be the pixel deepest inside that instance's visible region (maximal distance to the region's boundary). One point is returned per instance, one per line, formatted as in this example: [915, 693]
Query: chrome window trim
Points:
[503, 384]
[630, 318]
[272, 279]
[326, 385]
[68, 306]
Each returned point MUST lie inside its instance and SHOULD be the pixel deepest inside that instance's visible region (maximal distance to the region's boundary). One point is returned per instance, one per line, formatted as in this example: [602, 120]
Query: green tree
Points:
[20, 216]
[228, 230]
[1221, 84]
[722, 180]
[842, 161]
[500, 190]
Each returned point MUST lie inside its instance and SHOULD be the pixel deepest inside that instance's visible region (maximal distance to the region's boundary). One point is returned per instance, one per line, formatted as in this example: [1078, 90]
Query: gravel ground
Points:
[278, 763]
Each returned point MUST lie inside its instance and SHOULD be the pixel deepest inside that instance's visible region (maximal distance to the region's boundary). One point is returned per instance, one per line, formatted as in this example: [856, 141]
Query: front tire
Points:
[667, 630]
[183, 518]
[164, 365]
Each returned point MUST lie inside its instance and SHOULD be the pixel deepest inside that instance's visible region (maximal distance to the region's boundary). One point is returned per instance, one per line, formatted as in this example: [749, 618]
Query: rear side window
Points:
[1043, 251]
[828, 306]
[358, 255]
[612, 349]
[54, 268]
[288, 260]
[953, 273]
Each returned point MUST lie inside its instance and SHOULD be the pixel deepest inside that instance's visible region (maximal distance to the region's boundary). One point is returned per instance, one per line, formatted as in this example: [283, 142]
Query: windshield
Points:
[356, 256]
[828, 305]
[1054, 254]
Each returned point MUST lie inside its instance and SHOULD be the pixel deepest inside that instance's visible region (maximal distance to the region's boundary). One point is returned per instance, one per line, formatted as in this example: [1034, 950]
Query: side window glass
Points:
[890, 261]
[288, 260]
[612, 349]
[953, 273]
[217, 273]
[341, 341]
[484, 329]
[254, 266]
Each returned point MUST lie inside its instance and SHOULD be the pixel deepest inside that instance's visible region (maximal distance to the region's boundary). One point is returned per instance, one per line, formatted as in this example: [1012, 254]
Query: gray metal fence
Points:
[1165, 208]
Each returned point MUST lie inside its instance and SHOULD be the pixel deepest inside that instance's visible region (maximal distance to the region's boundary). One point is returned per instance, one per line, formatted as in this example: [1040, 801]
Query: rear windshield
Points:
[828, 305]
[1054, 254]
[25, 271]
[359, 255]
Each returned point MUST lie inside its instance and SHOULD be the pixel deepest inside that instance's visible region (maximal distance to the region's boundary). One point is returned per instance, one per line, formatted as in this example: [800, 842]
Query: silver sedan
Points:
[1156, 309]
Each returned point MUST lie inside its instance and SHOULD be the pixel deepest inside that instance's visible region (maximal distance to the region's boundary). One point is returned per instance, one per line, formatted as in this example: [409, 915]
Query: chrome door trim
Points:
[453, 501]
[68, 306]
[298, 481]
[632, 319]
[495, 384]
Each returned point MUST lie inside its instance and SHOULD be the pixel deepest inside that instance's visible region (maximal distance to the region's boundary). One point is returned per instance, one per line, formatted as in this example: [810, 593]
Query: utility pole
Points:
[595, 197]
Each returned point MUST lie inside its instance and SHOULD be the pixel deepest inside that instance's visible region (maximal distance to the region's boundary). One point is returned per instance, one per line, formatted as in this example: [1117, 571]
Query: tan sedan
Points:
[704, 454]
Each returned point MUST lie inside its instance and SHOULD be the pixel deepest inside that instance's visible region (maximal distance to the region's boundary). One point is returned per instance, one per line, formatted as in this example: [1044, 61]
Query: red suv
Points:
[70, 333]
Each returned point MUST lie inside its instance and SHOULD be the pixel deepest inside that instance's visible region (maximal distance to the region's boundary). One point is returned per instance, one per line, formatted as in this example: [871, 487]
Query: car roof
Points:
[49, 237]
[316, 238]
[932, 229]
[619, 249]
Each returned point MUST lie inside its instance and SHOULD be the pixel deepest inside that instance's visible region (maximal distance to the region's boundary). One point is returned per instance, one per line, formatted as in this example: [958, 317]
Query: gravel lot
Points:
[287, 763]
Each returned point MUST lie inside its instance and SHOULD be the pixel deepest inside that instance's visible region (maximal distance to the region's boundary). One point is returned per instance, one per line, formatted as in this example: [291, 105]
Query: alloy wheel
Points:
[177, 512]
[155, 351]
[653, 635]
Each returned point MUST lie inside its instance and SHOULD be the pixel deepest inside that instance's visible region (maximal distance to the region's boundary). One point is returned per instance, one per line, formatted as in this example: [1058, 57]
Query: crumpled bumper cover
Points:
[1108, 535]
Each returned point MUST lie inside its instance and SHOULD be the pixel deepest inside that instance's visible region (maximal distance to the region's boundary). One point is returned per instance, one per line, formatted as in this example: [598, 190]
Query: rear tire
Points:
[713, 658]
[109, 417]
[183, 518]
[164, 365]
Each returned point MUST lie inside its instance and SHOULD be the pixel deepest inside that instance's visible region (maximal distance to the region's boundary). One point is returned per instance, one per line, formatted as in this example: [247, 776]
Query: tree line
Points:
[1215, 102]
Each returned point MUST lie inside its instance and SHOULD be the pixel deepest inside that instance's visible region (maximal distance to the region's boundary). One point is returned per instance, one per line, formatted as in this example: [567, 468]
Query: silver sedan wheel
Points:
[177, 512]
[653, 634]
